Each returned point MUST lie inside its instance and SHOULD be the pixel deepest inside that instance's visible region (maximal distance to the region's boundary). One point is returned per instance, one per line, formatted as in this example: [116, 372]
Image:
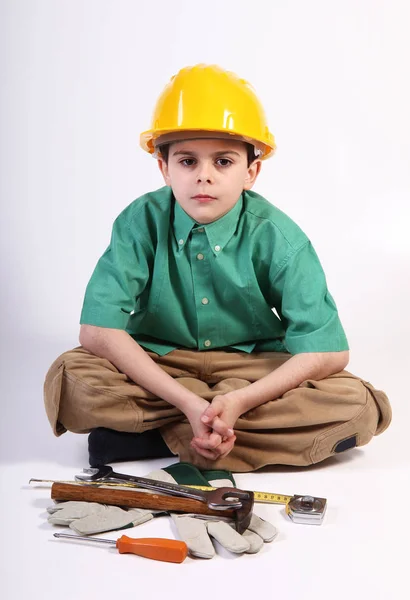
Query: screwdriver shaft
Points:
[86, 539]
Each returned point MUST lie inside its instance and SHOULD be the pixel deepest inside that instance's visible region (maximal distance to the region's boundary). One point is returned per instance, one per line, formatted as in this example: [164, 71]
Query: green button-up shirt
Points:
[250, 281]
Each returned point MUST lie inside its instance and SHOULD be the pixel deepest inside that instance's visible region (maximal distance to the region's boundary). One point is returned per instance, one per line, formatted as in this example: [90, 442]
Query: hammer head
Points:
[242, 516]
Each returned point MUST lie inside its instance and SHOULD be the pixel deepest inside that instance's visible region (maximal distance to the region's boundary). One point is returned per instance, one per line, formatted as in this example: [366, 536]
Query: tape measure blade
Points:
[270, 498]
[260, 497]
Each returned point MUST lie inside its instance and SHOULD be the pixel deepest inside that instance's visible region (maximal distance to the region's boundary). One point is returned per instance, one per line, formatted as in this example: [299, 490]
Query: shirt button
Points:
[217, 248]
[205, 301]
[200, 256]
[207, 343]
[200, 229]
[180, 242]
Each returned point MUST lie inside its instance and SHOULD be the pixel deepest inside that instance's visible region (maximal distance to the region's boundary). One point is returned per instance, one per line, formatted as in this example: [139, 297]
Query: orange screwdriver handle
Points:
[157, 548]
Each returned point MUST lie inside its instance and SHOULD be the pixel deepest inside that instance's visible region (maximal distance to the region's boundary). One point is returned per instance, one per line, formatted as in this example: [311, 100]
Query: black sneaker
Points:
[106, 446]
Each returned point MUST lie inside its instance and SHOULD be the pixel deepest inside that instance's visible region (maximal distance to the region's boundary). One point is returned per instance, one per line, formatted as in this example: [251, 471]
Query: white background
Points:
[79, 80]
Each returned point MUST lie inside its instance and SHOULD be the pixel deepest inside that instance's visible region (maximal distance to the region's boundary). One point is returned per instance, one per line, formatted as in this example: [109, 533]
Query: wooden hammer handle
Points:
[133, 499]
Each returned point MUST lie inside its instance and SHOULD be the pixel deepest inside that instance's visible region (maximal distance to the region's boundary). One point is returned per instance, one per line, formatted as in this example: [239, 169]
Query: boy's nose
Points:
[204, 173]
[204, 179]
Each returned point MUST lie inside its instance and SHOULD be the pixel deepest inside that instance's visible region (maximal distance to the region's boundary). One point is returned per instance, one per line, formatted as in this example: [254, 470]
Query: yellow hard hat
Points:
[208, 98]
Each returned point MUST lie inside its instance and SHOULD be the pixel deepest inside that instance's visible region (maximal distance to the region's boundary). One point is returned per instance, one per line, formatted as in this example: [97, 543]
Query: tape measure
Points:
[262, 497]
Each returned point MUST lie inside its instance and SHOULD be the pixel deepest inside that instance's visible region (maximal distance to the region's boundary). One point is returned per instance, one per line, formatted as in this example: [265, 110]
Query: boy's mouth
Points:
[203, 197]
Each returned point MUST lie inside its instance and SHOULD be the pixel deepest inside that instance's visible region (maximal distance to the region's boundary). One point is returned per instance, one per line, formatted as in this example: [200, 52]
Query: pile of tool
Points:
[101, 500]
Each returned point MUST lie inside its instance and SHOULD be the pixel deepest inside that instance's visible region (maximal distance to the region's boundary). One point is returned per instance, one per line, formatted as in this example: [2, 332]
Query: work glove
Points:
[88, 518]
[197, 531]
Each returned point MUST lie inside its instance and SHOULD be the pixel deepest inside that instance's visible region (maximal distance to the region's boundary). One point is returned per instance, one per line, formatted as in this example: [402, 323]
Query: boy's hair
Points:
[250, 150]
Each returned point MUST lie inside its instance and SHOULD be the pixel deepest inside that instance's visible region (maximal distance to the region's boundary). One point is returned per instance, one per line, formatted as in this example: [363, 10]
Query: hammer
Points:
[241, 515]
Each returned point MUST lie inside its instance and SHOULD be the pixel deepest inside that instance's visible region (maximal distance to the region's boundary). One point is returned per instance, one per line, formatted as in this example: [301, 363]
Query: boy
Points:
[207, 329]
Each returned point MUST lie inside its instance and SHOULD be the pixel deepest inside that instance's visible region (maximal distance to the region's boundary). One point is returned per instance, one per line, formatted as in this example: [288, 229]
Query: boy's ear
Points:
[163, 167]
[253, 172]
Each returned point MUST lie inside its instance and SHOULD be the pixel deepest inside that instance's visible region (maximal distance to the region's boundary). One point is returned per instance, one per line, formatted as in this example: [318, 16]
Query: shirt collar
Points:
[182, 224]
[218, 233]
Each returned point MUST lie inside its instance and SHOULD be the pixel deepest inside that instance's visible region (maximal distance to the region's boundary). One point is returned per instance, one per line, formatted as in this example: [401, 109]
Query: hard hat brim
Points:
[150, 141]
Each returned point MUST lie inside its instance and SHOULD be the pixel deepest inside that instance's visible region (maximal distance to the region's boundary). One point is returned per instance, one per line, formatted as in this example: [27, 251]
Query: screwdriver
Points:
[163, 549]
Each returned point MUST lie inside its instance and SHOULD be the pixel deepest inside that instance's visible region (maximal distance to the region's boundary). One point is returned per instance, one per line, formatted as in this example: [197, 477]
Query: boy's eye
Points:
[222, 162]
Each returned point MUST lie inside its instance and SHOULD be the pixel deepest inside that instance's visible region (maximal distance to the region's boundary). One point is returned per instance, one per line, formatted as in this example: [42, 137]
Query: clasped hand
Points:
[213, 426]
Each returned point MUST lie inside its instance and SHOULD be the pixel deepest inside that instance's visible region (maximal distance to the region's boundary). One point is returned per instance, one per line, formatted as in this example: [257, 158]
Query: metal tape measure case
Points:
[306, 509]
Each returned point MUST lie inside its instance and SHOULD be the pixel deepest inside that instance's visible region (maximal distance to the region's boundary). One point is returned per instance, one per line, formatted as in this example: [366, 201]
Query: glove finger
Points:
[194, 533]
[254, 540]
[139, 516]
[262, 528]
[76, 508]
[64, 515]
[228, 537]
[110, 519]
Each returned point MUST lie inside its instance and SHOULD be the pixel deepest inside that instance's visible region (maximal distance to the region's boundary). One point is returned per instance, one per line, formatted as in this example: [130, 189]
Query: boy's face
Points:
[215, 169]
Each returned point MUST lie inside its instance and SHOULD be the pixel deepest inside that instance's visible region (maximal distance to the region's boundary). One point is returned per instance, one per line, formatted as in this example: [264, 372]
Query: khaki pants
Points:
[304, 426]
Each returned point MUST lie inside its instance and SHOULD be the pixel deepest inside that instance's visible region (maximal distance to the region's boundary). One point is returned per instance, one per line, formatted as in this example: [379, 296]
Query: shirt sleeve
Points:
[306, 307]
[119, 278]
